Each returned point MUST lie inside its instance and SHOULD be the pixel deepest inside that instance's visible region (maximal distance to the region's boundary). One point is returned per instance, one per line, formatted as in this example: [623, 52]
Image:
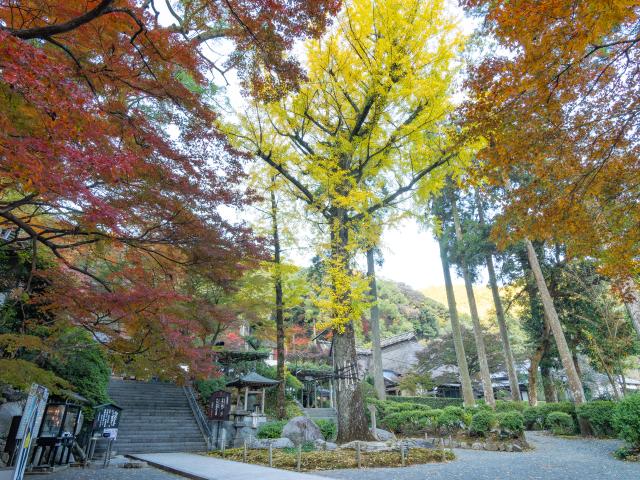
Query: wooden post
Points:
[270, 455]
[262, 403]
[244, 454]
[299, 459]
[358, 458]
[246, 399]
[403, 460]
[372, 410]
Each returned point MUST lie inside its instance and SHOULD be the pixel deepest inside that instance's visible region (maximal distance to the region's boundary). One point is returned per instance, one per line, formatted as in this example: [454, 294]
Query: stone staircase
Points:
[321, 413]
[156, 417]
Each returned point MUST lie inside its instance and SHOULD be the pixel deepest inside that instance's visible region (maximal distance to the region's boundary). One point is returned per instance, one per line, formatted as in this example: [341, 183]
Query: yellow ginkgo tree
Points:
[369, 128]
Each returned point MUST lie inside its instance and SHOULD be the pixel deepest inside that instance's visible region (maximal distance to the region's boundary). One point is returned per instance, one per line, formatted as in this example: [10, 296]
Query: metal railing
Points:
[201, 418]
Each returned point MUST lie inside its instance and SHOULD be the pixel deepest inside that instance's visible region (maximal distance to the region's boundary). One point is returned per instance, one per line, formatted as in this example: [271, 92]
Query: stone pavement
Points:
[199, 467]
[553, 459]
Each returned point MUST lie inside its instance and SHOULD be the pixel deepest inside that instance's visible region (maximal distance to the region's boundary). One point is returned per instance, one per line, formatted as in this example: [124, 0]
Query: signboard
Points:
[219, 405]
[107, 417]
[29, 427]
[111, 433]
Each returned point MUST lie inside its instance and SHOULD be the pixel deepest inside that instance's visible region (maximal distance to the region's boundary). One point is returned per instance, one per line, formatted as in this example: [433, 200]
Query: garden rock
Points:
[263, 443]
[417, 443]
[368, 446]
[324, 445]
[383, 435]
[302, 429]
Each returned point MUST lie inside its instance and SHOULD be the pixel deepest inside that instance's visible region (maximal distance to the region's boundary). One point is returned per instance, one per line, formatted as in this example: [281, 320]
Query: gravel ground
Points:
[113, 472]
[552, 459]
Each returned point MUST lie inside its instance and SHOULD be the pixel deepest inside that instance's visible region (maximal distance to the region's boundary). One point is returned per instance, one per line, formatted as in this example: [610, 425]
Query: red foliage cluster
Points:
[110, 163]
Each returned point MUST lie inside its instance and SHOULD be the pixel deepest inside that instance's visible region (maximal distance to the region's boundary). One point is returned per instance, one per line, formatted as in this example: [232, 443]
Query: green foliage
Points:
[508, 406]
[207, 387]
[432, 402]
[414, 381]
[626, 419]
[453, 418]
[533, 418]
[511, 422]
[560, 423]
[271, 429]
[482, 422]
[565, 407]
[21, 374]
[271, 372]
[84, 366]
[328, 428]
[410, 421]
[599, 414]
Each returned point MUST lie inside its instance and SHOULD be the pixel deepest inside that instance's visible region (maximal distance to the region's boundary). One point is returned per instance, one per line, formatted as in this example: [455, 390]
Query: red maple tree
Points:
[109, 161]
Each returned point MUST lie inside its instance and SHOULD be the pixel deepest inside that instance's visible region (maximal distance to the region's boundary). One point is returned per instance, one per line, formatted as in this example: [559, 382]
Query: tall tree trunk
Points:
[534, 363]
[485, 374]
[632, 302]
[465, 379]
[575, 384]
[378, 378]
[352, 421]
[509, 361]
[550, 392]
[277, 280]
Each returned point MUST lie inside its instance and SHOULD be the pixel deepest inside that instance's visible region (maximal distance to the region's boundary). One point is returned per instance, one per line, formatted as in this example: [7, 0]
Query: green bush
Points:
[408, 421]
[511, 422]
[508, 406]
[271, 429]
[565, 407]
[328, 428]
[207, 387]
[432, 402]
[453, 418]
[482, 422]
[626, 419]
[533, 418]
[599, 414]
[560, 423]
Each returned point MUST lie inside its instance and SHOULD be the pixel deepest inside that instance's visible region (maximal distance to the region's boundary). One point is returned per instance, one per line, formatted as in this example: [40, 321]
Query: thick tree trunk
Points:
[465, 379]
[550, 392]
[509, 361]
[352, 421]
[575, 384]
[378, 378]
[485, 374]
[632, 302]
[280, 336]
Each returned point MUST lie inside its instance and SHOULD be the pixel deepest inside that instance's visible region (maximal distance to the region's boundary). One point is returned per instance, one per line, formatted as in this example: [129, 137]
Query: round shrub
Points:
[411, 421]
[482, 422]
[453, 418]
[599, 414]
[533, 418]
[560, 423]
[626, 419]
[271, 429]
[328, 428]
[511, 422]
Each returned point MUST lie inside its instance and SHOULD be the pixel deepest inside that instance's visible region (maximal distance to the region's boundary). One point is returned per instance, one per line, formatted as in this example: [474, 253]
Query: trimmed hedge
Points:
[560, 423]
[509, 406]
[453, 418]
[482, 423]
[432, 402]
[599, 414]
[511, 422]
[626, 419]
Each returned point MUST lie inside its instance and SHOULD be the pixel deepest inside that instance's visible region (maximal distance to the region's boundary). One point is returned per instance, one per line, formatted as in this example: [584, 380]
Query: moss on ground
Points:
[336, 459]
